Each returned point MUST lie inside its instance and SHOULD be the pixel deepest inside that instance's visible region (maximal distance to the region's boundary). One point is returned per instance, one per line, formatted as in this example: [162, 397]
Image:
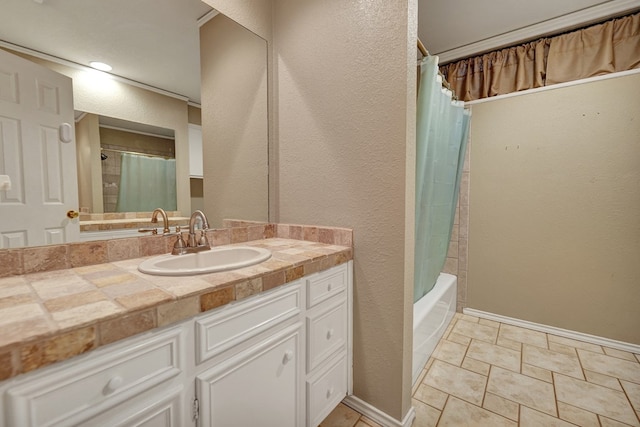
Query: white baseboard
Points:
[377, 415]
[593, 339]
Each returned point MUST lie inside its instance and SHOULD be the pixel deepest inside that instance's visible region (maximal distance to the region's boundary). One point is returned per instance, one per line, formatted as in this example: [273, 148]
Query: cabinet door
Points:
[261, 386]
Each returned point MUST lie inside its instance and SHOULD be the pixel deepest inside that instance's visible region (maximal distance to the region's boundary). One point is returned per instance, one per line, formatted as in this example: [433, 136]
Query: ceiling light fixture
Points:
[100, 66]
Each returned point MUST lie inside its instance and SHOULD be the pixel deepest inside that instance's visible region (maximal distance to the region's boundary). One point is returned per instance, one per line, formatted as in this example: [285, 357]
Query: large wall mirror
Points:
[232, 111]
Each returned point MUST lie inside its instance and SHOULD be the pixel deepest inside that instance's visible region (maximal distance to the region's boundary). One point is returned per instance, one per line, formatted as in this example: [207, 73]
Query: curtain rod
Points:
[136, 153]
[423, 50]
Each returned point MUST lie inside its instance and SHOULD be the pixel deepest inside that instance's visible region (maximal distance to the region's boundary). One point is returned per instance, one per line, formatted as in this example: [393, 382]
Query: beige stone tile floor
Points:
[485, 373]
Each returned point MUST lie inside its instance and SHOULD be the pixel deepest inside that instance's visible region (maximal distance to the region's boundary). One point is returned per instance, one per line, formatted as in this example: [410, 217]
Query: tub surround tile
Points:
[594, 398]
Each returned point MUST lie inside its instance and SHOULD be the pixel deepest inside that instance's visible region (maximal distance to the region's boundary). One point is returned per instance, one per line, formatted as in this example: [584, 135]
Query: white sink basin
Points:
[217, 259]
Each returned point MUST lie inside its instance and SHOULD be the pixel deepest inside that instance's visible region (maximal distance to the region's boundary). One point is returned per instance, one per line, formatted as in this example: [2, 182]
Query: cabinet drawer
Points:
[325, 390]
[326, 284]
[79, 391]
[326, 332]
[235, 323]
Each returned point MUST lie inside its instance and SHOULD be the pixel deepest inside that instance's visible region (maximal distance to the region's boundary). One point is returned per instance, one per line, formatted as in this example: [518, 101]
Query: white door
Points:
[37, 152]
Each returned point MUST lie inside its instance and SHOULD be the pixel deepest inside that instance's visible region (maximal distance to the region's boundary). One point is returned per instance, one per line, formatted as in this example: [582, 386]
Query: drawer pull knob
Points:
[329, 287]
[114, 384]
[288, 355]
[329, 333]
[330, 392]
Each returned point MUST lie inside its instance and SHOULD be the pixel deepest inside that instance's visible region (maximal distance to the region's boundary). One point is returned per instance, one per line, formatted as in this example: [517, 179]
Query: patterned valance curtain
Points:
[600, 49]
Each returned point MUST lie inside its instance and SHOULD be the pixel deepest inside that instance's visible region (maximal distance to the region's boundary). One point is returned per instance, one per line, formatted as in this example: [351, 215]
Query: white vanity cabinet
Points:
[280, 358]
[328, 349]
[137, 382]
[250, 365]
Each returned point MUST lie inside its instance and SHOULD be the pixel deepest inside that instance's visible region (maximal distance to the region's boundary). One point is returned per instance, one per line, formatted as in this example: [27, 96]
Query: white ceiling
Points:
[155, 42]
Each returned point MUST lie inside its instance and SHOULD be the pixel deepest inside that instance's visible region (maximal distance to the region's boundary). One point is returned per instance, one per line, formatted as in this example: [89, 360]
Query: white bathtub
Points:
[431, 316]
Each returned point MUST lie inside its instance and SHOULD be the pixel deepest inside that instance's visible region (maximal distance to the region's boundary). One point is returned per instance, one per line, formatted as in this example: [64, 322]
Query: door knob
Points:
[72, 214]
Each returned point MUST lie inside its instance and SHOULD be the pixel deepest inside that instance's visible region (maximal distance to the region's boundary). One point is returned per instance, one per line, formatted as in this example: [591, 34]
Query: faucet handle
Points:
[203, 241]
[180, 246]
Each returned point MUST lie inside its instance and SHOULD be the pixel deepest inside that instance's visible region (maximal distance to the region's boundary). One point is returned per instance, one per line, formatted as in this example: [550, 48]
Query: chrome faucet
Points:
[192, 245]
[154, 219]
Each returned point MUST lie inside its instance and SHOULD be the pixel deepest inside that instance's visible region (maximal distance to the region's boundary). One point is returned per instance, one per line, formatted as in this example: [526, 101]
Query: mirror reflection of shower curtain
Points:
[146, 183]
[441, 141]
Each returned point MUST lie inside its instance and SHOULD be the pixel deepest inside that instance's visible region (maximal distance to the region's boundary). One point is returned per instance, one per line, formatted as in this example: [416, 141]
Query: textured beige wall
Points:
[95, 93]
[345, 74]
[235, 124]
[554, 233]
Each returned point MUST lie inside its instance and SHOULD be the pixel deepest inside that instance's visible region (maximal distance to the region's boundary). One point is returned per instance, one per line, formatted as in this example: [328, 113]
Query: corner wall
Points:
[345, 126]
[235, 125]
[554, 233]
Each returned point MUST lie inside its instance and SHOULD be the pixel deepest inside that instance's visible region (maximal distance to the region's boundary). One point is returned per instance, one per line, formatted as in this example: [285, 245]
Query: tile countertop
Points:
[54, 315]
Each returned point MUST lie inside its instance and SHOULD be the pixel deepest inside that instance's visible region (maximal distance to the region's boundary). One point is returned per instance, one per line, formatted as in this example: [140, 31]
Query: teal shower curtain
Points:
[146, 183]
[441, 141]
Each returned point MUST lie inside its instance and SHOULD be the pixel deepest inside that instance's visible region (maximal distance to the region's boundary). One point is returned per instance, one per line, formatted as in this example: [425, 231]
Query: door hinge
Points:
[195, 409]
